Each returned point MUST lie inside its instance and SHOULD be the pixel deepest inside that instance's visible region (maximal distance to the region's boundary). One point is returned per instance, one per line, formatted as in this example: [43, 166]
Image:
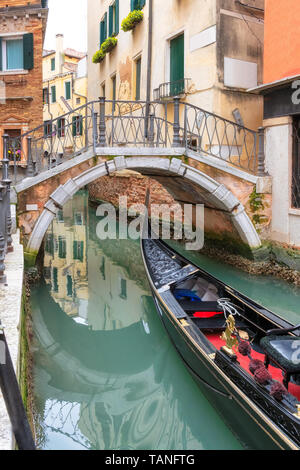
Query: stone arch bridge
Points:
[198, 157]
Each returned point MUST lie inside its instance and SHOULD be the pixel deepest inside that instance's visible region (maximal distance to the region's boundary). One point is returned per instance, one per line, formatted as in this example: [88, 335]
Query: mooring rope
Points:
[228, 308]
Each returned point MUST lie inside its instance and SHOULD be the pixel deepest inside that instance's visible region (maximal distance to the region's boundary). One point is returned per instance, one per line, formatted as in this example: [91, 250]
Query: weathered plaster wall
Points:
[285, 220]
[213, 29]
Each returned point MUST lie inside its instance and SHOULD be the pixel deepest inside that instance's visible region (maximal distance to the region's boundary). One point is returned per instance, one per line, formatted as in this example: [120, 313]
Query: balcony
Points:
[170, 89]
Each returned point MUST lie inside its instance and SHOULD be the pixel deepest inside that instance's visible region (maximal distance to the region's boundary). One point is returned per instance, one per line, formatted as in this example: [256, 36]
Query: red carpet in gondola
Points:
[244, 362]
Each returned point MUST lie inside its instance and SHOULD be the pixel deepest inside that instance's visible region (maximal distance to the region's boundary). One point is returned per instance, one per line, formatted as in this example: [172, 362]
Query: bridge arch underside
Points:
[185, 183]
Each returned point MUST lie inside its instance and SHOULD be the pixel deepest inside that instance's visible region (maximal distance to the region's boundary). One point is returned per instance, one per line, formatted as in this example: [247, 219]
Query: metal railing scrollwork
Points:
[157, 124]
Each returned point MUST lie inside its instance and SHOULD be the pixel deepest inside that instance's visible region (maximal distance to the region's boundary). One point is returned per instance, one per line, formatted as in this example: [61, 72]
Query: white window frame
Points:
[6, 38]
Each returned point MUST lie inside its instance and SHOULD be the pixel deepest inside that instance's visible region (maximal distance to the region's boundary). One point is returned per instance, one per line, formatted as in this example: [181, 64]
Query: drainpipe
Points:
[149, 65]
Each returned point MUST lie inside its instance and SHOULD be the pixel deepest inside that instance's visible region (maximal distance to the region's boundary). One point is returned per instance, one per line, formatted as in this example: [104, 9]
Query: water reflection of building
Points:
[117, 304]
[65, 261]
[109, 389]
[102, 381]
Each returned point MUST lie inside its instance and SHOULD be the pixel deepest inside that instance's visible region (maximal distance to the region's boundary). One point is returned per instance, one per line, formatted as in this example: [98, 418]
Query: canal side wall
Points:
[11, 316]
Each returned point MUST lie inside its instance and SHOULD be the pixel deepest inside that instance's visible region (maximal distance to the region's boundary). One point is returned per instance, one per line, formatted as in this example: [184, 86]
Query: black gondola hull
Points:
[257, 419]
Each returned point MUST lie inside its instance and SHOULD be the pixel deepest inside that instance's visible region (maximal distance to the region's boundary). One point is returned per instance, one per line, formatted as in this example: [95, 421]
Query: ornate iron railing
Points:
[5, 212]
[107, 123]
[171, 89]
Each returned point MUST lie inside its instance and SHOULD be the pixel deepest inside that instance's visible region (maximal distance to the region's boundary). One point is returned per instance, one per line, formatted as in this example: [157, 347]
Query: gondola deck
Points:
[196, 336]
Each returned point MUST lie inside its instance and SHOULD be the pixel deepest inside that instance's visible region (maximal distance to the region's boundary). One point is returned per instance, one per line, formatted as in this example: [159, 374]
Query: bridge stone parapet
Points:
[184, 182]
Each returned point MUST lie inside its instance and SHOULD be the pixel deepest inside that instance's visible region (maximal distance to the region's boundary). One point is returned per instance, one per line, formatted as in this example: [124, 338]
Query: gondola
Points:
[245, 358]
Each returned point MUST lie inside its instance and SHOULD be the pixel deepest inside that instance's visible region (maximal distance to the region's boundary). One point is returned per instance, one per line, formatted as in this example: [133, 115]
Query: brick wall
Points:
[26, 113]
[18, 3]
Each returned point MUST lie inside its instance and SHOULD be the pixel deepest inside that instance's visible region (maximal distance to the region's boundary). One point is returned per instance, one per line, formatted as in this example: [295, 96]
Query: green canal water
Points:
[106, 376]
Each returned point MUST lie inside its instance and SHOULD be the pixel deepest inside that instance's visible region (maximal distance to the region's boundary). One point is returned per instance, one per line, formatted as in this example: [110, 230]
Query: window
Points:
[123, 293]
[78, 218]
[60, 216]
[78, 248]
[61, 123]
[78, 101]
[103, 90]
[16, 53]
[45, 96]
[49, 245]
[62, 248]
[137, 4]
[69, 286]
[68, 90]
[53, 94]
[48, 129]
[103, 30]
[177, 65]
[102, 269]
[77, 125]
[114, 19]
[14, 143]
[55, 279]
[53, 64]
[138, 68]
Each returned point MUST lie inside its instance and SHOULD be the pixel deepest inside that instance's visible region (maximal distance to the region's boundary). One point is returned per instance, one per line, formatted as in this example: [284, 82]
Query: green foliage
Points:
[257, 205]
[98, 57]
[107, 46]
[132, 20]
[256, 201]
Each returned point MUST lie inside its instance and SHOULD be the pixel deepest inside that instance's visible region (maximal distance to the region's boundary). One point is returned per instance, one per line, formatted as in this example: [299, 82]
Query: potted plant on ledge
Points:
[108, 45]
[130, 22]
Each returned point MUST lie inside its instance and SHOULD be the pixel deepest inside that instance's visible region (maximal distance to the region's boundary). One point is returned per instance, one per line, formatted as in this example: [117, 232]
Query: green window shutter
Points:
[81, 251]
[55, 279]
[53, 94]
[62, 248]
[117, 17]
[69, 286]
[132, 4]
[111, 21]
[138, 79]
[177, 65]
[59, 127]
[28, 51]
[0, 53]
[74, 126]
[105, 26]
[142, 3]
[101, 33]
[80, 124]
[68, 90]
[78, 251]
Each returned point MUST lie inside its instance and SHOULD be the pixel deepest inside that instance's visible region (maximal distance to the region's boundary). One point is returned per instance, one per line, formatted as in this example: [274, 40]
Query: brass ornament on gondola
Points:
[229, 338]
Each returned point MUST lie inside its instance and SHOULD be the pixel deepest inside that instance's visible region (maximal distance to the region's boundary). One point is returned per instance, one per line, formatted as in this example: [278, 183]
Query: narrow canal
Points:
[105, 373]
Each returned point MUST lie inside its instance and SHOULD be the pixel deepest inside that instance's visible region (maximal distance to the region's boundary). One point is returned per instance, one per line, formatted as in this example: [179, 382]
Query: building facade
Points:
[22, 31]
[281, 93]
[64, 80]
[64, 89]
[208, 53]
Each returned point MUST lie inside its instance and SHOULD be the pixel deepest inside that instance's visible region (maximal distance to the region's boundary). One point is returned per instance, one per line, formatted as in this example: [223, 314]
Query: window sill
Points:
[294, 212]
[14, 72]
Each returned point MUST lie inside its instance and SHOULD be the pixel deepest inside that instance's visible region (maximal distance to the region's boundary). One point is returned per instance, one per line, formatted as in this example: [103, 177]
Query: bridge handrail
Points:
[127, 122]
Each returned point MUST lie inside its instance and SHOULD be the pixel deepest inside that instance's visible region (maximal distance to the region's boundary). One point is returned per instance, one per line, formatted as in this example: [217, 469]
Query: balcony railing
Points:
[171, 89]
